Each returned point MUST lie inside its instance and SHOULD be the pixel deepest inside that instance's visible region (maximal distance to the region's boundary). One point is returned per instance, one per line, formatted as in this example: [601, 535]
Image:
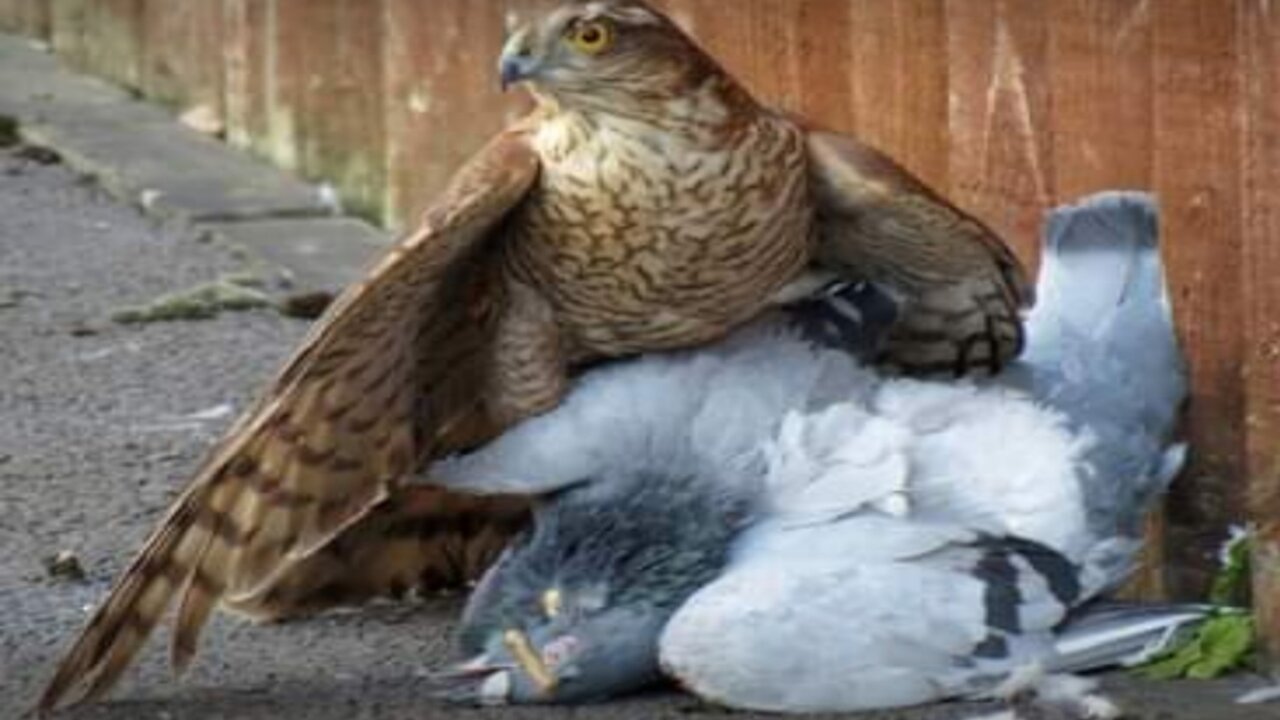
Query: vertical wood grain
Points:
[26, 17]
[283, 82]
[1197, 141]
[769, 45]
[822, 41]
[865, 66]
[1001, 155]
[246, 73]
[104, 37]
[1101, 63]
[443, 99]
[13, 16]
[183, 53]
[1260, 169]
[328, 106]
[900, 81]
[750, 42]
[39, 18]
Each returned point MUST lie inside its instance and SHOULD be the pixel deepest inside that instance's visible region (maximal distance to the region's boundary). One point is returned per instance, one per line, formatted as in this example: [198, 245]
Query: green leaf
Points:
[1222, 644]
[1225, 641]
[1170, 668]
[1231, 583]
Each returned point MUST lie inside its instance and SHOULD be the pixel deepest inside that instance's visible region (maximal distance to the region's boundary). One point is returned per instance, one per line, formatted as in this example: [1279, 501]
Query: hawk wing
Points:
[394, 375]
[962, 291]
[422, 538]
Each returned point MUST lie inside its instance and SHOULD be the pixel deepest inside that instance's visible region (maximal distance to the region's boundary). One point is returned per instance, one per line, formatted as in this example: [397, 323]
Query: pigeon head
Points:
[573, 610]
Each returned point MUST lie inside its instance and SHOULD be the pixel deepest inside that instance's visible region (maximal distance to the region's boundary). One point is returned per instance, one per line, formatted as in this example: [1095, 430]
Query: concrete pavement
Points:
[138, 153]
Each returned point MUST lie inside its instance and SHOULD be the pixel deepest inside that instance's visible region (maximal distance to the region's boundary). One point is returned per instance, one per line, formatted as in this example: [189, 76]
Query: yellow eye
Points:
[592, 37]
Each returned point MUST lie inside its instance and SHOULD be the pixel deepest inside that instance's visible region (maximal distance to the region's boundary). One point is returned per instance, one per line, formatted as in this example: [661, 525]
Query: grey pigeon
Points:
[777, 527]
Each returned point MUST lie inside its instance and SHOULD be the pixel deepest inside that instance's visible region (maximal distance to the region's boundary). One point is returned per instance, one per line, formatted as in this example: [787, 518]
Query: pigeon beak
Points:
[517, 63]
[475, 682]
[518, 644]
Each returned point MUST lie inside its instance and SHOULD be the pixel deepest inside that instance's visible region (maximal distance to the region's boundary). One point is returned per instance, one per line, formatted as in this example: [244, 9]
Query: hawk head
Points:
[605, 54]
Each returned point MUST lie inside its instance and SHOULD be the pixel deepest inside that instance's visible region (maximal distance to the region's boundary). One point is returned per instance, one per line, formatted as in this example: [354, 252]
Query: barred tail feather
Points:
[121, 625]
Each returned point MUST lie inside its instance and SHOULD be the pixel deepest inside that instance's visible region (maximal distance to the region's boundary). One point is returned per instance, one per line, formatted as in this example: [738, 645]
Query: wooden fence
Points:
[1008, 106]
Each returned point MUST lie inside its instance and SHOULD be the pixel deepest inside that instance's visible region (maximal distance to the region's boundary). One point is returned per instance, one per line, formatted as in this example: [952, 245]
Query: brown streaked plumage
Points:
[648, 203]
[961, 288]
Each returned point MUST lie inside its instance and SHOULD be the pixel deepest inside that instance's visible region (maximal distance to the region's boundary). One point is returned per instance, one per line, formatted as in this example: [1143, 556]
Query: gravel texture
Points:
[100, 425]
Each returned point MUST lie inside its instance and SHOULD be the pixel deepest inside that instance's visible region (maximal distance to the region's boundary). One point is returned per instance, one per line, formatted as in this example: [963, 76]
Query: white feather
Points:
[824, 435]
[820, 633]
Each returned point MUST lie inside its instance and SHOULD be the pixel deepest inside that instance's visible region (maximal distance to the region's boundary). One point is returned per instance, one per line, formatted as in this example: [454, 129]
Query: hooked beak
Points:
[517, 62]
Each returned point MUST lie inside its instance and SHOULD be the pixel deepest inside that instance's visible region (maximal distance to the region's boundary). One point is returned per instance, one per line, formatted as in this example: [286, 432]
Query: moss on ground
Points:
[202, 302]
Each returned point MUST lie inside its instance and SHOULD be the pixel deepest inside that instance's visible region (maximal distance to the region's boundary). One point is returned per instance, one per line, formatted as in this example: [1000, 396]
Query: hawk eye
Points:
[592, 37]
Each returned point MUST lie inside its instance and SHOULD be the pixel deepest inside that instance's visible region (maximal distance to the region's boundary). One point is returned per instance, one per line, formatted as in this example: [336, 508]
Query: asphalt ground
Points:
[101, 423]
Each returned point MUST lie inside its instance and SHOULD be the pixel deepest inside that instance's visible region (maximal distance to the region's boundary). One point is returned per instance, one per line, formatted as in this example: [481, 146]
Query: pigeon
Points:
[777, 525]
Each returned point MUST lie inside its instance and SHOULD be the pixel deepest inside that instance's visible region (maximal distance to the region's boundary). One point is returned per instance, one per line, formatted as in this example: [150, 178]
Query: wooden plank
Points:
[1001, 154]
[444, 100]
[1197, 142]
[104, 37]
[749, 42]
[868, 67]
[1260, 76]
[26, 17]
[272, 104]
[13, 16]
[40, 18]
[182, 55]
[247, 26]
[819, 40]
[71, 21]
[900, 82]
[784, 52]
[1101, 78]
[326, 111]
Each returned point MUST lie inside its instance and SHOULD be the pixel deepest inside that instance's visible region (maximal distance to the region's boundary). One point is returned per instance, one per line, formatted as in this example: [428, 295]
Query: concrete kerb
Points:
[141, 154]
[324, 254]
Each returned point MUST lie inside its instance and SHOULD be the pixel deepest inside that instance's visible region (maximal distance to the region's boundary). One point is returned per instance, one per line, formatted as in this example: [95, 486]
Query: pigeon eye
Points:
[552, 603]
[591, 38]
